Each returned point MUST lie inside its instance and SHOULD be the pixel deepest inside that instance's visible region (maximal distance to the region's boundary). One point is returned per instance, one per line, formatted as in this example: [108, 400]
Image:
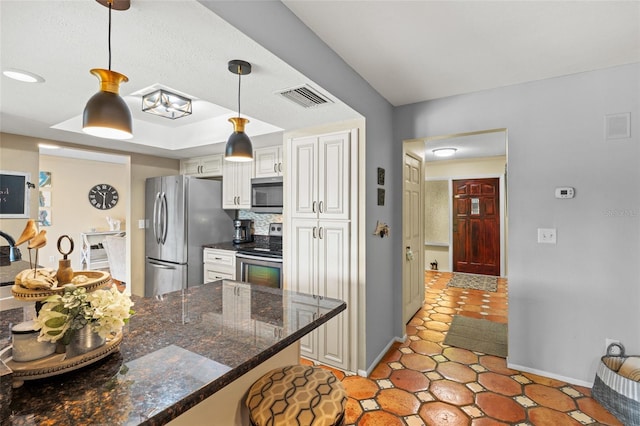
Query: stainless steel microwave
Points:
[266, 194]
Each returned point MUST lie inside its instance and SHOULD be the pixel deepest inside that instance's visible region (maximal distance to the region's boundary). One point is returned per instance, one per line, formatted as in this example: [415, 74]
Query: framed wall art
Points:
[380, 176]
[380, 197]
[14, 194]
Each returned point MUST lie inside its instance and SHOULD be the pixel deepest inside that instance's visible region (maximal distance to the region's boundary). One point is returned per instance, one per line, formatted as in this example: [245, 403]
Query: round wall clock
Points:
[103, 196]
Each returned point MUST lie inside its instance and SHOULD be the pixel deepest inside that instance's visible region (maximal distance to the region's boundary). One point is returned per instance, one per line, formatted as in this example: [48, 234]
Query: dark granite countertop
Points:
[230, 245]
[175, 353]
[226, 245]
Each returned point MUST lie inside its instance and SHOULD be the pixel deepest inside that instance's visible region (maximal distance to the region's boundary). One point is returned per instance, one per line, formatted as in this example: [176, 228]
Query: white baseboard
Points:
[374, 364]
[569, 380]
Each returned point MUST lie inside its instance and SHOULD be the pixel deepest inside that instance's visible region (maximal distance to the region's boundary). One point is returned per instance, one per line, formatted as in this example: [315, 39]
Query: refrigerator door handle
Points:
[156, 218]
[165, 223]
[160, 265]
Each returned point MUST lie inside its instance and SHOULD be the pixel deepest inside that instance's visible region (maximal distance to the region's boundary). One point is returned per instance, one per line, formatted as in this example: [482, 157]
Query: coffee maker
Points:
[242, 231]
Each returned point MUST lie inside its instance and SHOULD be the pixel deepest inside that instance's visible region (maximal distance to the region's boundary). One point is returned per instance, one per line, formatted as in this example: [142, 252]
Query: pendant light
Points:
[239, 146]
[107, 114]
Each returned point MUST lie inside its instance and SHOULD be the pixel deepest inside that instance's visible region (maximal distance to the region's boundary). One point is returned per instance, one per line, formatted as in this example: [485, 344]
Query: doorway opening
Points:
[477, 155]
[67, 198]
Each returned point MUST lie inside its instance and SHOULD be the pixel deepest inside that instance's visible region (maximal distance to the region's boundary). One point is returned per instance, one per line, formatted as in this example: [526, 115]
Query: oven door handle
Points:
[260, 258]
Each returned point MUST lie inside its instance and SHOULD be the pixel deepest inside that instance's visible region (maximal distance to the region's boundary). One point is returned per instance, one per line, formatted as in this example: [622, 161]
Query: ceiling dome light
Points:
[239, 146]
[21, 75]
[107, 115]
[444, 152]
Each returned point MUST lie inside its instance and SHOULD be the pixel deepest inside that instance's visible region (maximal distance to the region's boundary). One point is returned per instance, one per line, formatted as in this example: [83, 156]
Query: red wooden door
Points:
[476, 226]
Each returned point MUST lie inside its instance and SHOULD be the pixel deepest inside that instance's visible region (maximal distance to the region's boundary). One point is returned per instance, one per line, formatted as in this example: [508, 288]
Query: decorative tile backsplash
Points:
[261, 221]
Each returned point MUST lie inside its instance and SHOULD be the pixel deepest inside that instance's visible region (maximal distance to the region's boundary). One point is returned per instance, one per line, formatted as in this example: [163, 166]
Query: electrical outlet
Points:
[547, 235]
[141, 224]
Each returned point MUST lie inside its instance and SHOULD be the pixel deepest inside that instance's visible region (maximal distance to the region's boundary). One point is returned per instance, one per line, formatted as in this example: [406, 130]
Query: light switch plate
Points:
[547, 235]
[142, 224]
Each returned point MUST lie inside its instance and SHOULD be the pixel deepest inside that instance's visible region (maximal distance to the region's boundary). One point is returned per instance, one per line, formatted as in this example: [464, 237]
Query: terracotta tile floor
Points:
[424, 382]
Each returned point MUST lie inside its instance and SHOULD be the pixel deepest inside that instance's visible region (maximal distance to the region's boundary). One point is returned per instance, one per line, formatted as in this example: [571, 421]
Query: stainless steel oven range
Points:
[260, 262]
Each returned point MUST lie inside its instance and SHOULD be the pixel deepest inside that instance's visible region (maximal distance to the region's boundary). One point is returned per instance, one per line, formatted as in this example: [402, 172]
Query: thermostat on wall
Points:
[565, 192]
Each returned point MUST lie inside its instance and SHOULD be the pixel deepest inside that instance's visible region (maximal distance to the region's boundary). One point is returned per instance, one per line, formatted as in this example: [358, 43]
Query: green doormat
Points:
[474, 281]
[478, 335]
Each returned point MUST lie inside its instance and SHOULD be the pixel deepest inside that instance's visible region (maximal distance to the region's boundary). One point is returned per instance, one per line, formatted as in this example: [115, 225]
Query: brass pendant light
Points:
[106, 114]
[239, 146]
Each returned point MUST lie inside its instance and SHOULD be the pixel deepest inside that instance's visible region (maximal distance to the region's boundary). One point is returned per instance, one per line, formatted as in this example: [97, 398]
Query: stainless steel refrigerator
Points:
[182, 213]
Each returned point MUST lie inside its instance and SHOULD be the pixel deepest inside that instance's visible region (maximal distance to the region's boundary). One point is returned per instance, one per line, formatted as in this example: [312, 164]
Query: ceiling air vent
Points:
[305, 96]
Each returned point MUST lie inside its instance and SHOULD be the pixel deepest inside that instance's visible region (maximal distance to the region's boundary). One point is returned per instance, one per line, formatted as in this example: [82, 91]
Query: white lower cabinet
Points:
[320, 266]
[219, 264]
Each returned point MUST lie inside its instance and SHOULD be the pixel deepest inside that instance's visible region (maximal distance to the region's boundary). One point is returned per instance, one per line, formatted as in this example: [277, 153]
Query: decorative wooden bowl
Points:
[56, 363]
[96, 280]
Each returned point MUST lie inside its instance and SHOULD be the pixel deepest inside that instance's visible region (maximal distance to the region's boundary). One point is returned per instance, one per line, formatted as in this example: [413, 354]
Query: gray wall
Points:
[564, 299]
[272, 25]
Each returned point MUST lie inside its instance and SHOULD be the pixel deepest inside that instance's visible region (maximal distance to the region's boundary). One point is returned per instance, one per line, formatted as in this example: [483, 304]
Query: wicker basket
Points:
[616, 393]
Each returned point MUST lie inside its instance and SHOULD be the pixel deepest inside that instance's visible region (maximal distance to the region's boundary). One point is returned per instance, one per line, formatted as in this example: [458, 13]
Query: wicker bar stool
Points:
[297, 395]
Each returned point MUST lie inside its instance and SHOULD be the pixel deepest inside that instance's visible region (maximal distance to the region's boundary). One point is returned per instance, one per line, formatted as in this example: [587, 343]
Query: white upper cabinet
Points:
[320, 168]
[268, 161]
[236, 185]
[208, 166]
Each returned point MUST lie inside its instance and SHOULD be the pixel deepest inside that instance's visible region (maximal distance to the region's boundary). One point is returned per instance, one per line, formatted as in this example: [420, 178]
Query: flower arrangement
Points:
[106, 311]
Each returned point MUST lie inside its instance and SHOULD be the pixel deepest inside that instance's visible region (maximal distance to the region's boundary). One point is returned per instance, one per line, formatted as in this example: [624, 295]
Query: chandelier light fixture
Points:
[106, 114]
[444, 152]
[239, 146]
[166, 104]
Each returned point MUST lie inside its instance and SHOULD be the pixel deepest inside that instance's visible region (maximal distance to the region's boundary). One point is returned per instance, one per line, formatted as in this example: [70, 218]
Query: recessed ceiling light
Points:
[21, 75]
[444, 152]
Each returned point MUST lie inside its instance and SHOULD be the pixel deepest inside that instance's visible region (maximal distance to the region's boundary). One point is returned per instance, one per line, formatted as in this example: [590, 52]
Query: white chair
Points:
[116, 249]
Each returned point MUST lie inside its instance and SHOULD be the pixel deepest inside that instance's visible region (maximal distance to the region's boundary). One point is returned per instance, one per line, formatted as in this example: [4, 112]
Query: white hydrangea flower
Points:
[106, 311]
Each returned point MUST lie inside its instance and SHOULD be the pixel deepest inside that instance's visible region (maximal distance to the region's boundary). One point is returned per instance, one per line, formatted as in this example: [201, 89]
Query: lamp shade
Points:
[106, 114]
[239, 147]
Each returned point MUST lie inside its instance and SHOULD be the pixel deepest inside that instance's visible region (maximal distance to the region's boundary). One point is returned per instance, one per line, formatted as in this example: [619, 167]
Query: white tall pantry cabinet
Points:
[322, 258]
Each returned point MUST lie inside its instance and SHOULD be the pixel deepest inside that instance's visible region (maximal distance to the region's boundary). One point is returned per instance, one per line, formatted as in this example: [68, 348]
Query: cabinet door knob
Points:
[321, 206]
[279, 167]
[320, 232]
[275, 168]
[314, 232]
[313, 207]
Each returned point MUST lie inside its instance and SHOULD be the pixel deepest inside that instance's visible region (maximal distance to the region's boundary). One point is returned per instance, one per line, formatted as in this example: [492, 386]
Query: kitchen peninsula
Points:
[185, 358]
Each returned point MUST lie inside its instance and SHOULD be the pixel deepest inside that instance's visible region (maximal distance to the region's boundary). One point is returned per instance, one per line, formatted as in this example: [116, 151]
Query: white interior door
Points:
[413, 242]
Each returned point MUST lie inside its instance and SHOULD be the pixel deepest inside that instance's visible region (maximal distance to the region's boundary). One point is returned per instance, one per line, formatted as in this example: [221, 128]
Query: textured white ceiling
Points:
[412, 51]
[409, 51]
[178, 44]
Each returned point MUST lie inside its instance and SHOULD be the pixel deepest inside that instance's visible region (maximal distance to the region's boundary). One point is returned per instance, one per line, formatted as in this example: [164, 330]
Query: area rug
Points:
[474, 281]
[478, 335]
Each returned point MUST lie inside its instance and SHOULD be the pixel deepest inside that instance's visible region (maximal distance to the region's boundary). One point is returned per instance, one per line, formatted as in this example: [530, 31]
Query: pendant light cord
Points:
[110, 3]
[239, 76]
